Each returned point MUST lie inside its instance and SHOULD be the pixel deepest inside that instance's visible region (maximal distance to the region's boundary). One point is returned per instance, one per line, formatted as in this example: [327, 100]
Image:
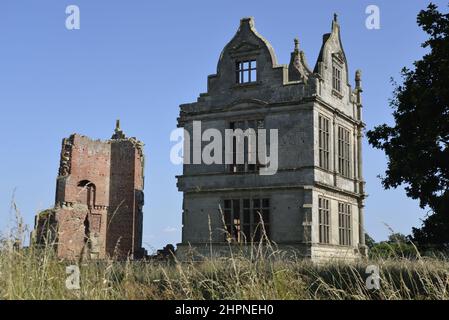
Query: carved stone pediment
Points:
[242, 104]
[244, 47]
[339, 57]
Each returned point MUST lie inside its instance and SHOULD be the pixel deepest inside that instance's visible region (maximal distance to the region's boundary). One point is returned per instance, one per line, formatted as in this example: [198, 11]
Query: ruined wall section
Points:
[82, 197]
[126, 198]
[99, 199]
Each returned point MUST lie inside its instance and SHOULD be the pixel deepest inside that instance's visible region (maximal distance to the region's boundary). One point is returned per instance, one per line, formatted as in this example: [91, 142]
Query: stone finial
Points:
[298, 70]
[247, 22]
[358, 79]
[296, 40]
[118, 133]
[335, 22]
[358, 87]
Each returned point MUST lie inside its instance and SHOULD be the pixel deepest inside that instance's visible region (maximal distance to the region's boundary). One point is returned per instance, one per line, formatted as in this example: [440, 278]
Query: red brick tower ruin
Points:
[99, 199]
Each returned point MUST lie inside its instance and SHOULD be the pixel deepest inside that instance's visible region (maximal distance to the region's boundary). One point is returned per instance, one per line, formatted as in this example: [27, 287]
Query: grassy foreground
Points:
[37, 274]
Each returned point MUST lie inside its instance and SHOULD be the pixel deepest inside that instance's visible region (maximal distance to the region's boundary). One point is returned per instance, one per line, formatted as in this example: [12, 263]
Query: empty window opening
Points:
[344, 158]
[247, 220]
[86, 193]
[344, 224]
[246, 71]
[323, 142]
[251, 161]
[324, 221]
[336, 78]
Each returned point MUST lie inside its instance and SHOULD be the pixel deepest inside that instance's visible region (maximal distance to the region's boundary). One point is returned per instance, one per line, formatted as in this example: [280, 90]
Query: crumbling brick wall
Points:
[99, 199]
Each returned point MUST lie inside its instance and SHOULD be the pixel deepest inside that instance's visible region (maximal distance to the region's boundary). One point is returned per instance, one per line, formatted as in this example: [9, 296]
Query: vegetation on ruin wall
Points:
[35, 273]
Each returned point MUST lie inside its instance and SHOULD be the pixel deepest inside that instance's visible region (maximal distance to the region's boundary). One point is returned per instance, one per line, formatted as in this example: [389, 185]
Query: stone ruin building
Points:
[99, 199]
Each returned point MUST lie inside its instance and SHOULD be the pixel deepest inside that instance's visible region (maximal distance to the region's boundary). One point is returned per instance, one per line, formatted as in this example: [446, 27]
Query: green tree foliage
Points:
[417, 145]
[398, 245]
[397, 238]
[370, 242]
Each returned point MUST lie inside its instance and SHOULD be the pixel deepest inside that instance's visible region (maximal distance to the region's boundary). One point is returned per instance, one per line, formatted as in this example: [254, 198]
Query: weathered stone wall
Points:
[203, 221]
[290, 99]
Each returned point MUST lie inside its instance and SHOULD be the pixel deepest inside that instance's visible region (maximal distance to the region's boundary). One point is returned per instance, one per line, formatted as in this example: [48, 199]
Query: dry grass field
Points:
[35, 273]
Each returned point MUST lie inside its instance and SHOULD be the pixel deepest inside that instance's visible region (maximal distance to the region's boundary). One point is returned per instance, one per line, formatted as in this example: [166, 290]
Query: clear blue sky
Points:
[138, 60]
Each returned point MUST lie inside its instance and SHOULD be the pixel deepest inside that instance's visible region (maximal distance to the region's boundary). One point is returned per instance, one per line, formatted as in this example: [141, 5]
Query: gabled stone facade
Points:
[314, 203]
[99, 199]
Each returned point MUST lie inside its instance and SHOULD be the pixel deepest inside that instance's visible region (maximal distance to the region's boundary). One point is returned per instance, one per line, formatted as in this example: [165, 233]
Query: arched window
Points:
[86, 193]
